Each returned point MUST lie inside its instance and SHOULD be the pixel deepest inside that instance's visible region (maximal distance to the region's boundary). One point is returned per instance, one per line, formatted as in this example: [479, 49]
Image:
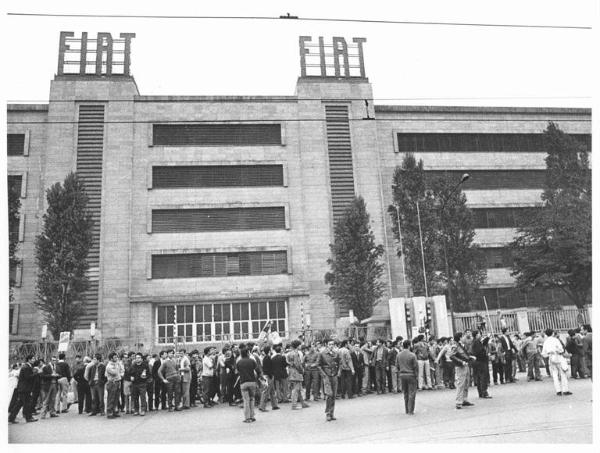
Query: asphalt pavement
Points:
[523, 412]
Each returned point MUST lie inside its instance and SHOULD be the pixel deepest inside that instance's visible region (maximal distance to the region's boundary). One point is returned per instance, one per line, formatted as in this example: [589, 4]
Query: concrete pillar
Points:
[589, 313]
[420, 311]
[441, 321]
[398, 316]
[522, 321]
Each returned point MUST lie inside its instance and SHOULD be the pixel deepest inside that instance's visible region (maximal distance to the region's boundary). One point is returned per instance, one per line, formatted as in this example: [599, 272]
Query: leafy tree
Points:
[447, 232]
[464, 273]
[14, 205]
[356, 270]
[553, 246]
[410, 188]
[61, 254]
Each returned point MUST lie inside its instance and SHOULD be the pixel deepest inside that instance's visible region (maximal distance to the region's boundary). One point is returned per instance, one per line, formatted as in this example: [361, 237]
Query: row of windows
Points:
[225, 321]
[270, 134]
[225, 219]
[216, 134]
[500, 217]
[14, 186]
[506, 298]
[496, 257]
[449, 142]
[171, 177]
[193, 265]
[493, 179]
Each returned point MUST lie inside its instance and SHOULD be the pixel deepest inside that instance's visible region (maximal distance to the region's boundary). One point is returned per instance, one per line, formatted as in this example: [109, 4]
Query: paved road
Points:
[522, 412]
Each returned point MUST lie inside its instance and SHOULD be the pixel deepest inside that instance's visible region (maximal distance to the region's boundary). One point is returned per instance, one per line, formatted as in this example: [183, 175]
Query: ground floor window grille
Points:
[222, 321]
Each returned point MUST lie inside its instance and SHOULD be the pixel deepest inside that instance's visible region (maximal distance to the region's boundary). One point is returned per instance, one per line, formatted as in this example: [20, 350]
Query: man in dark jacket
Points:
[329, 367]
[49, 388]
[510, 351]
[84, 393]
[280, 374]
[481, 366]
[380, 360]
[95, 375]
[268, 390]
[194, 359]
[461, 359]
[24, 388]
[64, 380]
[312, 378]
[574, 346]
[408, 370]
[139, 373]
[160, 389]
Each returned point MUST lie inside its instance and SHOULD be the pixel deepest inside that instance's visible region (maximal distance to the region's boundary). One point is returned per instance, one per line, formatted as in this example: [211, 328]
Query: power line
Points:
[306, 19]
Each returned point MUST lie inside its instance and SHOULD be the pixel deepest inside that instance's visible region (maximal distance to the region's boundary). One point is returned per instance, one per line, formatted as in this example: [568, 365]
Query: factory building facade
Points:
[214, 214]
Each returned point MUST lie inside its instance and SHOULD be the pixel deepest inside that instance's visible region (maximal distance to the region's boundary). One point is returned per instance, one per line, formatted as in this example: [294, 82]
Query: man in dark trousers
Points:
[195, 358]
[268, 390]
[160, 389]
[509, 350]
[408, 370]
[84, 394]
[96, 377]
[481, 366]
[280, 374]
[380, 359]
[24, 388]
[329, 367]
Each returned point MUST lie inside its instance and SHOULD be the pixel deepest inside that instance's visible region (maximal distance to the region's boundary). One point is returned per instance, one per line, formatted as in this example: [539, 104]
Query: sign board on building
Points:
[63, 341]
[104, 55]
[338, 59]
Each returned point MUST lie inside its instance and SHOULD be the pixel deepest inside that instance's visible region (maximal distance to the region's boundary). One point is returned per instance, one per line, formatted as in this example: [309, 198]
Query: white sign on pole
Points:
[63, 342]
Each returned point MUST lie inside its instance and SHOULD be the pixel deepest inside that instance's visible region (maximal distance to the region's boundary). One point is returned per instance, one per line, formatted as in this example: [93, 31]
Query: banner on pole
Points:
[63, 342]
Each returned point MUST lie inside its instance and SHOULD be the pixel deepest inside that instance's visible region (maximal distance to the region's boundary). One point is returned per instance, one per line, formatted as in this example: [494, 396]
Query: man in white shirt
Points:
[553, 349]
[208, 374]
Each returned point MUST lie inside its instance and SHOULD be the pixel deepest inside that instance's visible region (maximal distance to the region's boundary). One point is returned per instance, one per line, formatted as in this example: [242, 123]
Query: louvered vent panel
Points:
[226, 219]
[494, 179]
[197, 265]
[90, 144]
[15, 144]
[217, 176]
[340, 158]
[341, 174]
[216, 134]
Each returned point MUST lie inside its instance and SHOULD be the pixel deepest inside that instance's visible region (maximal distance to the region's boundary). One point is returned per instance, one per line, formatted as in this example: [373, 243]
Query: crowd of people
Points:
[251, 376]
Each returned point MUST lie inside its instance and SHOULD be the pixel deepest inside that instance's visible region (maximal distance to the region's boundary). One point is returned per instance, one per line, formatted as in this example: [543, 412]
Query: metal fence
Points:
[45, 350]
[557, 319]
[487, 324]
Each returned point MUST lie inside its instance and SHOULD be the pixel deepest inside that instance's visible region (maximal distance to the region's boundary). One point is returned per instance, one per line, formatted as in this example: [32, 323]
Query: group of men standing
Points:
[174, 381]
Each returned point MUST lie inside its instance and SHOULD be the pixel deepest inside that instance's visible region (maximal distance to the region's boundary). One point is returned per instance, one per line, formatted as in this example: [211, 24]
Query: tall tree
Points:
[553, 246]
[463, 272]
[446, 229]
[356, 269]
[409, 189]
[61, 254]
[14, 205]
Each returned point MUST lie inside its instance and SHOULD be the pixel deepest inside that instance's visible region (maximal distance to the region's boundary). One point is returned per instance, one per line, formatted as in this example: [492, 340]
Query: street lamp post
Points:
[422, 251]
[445, 245]
[394, 186]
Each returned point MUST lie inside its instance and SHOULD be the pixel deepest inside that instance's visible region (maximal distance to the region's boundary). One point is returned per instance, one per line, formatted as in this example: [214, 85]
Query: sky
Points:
[406, 64]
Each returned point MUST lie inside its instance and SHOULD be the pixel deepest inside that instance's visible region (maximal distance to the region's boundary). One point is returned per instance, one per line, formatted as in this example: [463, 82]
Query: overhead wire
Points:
[296, 18]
